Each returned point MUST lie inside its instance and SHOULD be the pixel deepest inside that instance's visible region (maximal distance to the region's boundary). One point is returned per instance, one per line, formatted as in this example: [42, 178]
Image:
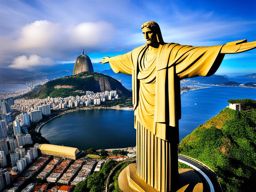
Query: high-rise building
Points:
[4, 107]
[24, 119]
[7, 177]
[28, 139]
[29, 156]
[28, 159]
[70, 104]
[3, 129]
[4, 146]
[14, 158]
[20, 140]
[21, 164]
[21, 151]
[3, 160]
[2, 182]
[46, 109]
[35, 115]
[12, 144]
[35, 152]
[16, 127]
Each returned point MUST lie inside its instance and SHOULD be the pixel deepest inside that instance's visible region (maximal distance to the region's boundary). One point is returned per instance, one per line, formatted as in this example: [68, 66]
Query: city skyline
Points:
[40, 34]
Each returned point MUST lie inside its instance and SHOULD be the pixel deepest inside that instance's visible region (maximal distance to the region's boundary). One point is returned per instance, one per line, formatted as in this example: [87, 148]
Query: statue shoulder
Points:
[138, 49]
[171, 45]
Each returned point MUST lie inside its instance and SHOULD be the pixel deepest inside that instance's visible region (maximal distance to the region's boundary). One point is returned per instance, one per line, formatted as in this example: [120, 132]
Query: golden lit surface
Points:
[129, 181]
[58, 150]
[157, 68]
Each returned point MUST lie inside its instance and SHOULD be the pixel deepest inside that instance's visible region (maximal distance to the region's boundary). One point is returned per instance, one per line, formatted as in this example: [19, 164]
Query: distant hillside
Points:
[77, 85]
[252, 75]
[214, 79]
[126, 80]
[227, 144]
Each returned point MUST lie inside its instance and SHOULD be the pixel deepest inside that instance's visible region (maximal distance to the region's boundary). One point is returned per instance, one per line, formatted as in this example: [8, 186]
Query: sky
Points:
[38, 34]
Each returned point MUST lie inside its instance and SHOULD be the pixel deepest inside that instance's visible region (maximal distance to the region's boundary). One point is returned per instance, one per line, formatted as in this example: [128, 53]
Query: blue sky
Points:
[41, 33]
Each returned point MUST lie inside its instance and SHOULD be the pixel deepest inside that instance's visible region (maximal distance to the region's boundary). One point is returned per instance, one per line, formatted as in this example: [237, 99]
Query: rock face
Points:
[83, 64]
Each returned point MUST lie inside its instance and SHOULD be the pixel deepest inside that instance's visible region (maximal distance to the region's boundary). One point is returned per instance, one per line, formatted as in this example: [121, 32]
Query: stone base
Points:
[129, 181]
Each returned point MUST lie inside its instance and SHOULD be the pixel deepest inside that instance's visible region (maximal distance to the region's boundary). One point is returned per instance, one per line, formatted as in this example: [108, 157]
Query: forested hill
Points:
[78, 85]
[227, 144]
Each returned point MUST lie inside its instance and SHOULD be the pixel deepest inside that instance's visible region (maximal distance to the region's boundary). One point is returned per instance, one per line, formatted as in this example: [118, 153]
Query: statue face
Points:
[150, 36]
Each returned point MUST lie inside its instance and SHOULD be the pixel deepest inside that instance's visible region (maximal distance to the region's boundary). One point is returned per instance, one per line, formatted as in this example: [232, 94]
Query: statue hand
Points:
[238, 46]
[105, 60]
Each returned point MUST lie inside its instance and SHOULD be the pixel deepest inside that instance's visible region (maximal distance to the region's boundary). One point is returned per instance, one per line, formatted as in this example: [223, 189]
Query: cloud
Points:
[27, 62]
[39, 34]
[90, 34]
[202, 32]
[60, 29]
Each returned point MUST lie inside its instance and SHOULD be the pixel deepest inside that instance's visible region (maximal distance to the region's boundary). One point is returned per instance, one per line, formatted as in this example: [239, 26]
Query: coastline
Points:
[193, 89]
[117, 107]
[57, 114]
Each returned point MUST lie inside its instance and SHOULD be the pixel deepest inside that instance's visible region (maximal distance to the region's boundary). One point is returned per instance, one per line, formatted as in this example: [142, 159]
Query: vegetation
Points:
[78, 85]
[119, 152]
[227, 144]
[246, 104]
[95, 182]
[93, 156]
[114, 180]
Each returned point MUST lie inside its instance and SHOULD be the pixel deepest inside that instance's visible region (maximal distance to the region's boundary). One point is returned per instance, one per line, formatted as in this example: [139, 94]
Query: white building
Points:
[21, 164]
[16, 127]
[28, 158]
[35, 115]
[46, 109]
[99, 165]
[76, 103]
[70, 104]
[235, 106]
[34, 152]
[96, 101]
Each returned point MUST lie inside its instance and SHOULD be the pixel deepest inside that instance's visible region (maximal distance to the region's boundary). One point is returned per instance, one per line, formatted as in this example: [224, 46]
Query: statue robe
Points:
[173, 63]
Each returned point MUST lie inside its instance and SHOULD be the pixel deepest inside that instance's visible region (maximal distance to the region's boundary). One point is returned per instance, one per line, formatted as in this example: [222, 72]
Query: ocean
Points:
[114, 128]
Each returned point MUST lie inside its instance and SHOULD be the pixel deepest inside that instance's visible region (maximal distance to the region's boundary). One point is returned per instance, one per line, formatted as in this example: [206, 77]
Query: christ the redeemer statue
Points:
[157, 68]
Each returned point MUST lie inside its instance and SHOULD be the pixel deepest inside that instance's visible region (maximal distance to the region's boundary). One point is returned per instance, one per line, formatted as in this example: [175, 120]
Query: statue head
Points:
[152, 33]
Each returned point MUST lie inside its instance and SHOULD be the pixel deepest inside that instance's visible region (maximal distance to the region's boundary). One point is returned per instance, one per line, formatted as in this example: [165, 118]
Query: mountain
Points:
[214, 79]
[252, 75]
[126, 80]
[78, 85]
[227, 144]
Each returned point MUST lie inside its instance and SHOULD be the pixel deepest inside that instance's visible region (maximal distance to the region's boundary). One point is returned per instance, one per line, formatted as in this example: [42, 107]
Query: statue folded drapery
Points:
[155, 85]
[156, 70]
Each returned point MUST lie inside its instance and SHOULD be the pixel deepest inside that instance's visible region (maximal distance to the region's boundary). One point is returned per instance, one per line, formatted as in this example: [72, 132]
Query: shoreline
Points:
[117, 107]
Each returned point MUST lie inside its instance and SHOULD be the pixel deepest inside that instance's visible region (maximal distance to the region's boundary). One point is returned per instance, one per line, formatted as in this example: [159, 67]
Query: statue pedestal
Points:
[189, 180]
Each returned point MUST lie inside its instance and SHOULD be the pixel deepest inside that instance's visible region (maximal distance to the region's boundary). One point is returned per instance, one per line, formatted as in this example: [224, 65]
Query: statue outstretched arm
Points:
[238, 46]
[105, 60]
[120, 64]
